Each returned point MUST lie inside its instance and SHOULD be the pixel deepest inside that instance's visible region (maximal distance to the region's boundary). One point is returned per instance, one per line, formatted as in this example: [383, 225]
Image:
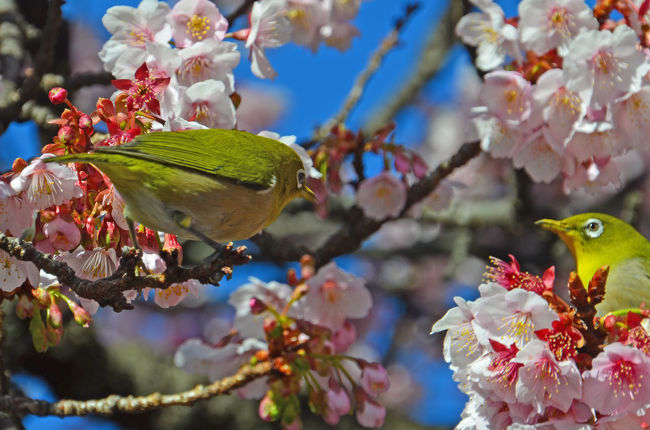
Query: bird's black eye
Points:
[593, 227]
[301, 178]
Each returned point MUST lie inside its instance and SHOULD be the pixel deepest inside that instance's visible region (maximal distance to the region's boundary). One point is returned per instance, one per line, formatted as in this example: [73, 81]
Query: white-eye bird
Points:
[596, 240]
[211, 184]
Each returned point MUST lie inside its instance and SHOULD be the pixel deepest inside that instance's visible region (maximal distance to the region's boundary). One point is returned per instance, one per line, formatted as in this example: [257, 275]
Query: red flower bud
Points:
[257, 306]
[65, 134]
[58, 95]
[42, 297]
[85, 121]
[54, 316]
[24, 307]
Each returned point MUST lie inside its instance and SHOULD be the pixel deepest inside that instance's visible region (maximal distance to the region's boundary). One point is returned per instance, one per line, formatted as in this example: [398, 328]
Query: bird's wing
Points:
[236, 156]
[628, 285]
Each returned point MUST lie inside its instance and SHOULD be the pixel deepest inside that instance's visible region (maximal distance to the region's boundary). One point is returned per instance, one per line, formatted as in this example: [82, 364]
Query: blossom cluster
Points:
[528, 360]
[304, 329]
[574, 92]
[187, 46]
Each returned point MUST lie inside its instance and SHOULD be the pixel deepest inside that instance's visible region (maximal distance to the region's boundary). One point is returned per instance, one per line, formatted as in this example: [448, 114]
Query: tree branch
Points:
[134, 404]
[109, 291]
[431, 60]
[389, 42]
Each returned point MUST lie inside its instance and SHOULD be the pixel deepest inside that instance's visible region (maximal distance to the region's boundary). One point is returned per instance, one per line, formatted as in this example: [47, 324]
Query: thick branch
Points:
[132, 404]
[109, 291]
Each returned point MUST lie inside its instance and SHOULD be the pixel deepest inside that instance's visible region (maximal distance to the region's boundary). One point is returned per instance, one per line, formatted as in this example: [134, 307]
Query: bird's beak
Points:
[557, 227]
[308, 193]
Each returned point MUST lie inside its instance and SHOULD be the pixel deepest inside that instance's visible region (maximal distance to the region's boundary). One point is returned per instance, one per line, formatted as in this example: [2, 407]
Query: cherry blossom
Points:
[603, 65]
[46, 184]
[207, 103]
[544, 381]
[269, 28]
[63, 235]
[507, 96]
[15, 211]
[208, 59]
[334, 296]
[196, 20]
[618, 380]
[553, 24]
[14, 272]
[381, 196]
[488, 31]
[131, 29]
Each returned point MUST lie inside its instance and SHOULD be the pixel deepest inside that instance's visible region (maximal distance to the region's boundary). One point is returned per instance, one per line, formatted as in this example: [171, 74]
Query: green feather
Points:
[251, 162]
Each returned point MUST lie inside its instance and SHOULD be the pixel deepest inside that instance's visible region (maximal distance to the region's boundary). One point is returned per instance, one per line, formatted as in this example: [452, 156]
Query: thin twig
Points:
[389, 42]
[135, 404]
[433, 57]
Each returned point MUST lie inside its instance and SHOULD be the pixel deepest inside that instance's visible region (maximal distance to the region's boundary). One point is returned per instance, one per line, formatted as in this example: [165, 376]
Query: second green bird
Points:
[214, 185]
[596, 240]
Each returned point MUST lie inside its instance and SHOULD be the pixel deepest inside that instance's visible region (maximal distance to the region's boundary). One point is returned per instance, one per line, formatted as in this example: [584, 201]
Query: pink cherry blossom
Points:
[131, 29]
[507, 95]
[488, 31]
[47, 184]
[208, 59]
[603, 65]
[14, 272]
[269, 28]
[496, 373]
[15, 211]
[553, 24]
[631, 116]
[273, 294]
[461, 345]
[333, 296]
[307, 17]
[175, 293]
[619, 380]
[544, 381]
[63, 235]
[207, 103]
[513, 317]
[539, 157]
[344, 337]
[381, 196]
[374, 379]
[196, 20]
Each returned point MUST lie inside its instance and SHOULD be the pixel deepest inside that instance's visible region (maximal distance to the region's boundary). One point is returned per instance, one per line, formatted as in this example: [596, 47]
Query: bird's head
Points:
[595, 238]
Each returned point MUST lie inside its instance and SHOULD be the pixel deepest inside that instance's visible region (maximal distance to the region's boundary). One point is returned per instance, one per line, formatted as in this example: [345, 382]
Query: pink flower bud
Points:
[85, 121]
[54, 316]
[58, 95]
[81, 316]
[374, 379]
[257, 306]
[267, 409]
[338, 403]
[24, 307]
[53, 335]
[344, 337]
[420, 167]
[370, 414]
[402, 162]
[42, 297]
[65, 134]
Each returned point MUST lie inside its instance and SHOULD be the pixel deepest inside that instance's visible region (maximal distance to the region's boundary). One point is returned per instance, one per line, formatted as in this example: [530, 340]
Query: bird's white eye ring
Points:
[300, 177]
[593, 227]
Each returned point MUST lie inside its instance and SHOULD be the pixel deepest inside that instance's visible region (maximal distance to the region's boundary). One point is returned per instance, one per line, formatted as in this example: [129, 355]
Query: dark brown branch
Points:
[109, 291]
[132, 404]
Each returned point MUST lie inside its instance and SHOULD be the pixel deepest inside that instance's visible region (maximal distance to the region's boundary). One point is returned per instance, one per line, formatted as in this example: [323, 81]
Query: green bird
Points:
[213, 185]
[596, 240]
